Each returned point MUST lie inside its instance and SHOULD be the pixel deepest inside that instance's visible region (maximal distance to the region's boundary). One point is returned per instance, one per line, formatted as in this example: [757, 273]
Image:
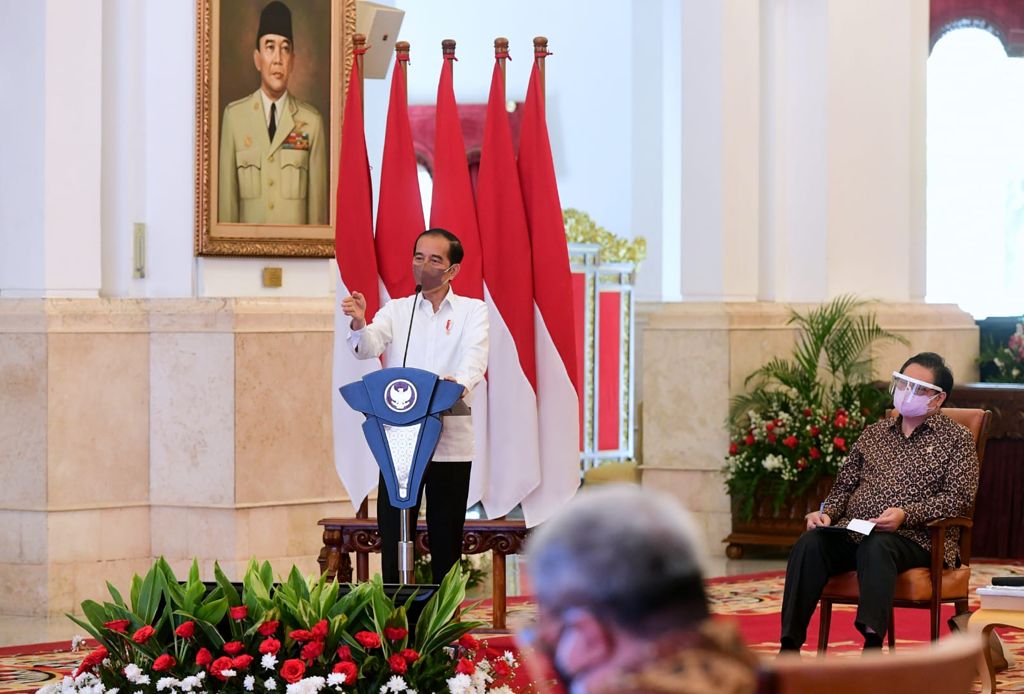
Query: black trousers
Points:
[817, 555]
[447, 490]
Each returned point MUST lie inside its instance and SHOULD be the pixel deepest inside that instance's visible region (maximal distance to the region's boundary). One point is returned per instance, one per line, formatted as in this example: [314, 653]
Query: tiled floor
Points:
[21, 630]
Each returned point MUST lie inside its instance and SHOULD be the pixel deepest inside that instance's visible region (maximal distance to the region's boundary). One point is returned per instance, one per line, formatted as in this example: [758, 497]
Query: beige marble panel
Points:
[75, 536]
[23, 537]
[268, 531]
[685, 398]
[282, 417]
[211, 532]
[125, 533]
[169, 536]
[22, 420]
[696, 490]
[90, 579]
[192, 418]
[24, 589]
[98, 422]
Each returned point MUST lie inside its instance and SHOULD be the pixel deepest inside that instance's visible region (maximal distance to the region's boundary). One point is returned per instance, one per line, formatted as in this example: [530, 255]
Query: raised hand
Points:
[354, 306]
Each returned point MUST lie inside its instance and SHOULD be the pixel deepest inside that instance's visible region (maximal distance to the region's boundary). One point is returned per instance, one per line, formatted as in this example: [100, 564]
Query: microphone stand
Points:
[406, 556]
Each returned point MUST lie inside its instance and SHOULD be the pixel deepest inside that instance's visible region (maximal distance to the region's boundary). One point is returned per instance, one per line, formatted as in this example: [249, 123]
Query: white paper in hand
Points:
[861, 526]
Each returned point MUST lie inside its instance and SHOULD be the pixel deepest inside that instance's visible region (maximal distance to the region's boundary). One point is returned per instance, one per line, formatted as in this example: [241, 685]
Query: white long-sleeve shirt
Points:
[451, 342]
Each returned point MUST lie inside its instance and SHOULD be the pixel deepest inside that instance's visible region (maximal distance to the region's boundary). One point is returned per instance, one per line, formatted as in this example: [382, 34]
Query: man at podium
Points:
[439, 331]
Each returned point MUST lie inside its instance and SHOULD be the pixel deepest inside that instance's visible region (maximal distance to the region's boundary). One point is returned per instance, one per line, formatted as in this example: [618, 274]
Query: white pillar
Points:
[720, 149]
[52, 181]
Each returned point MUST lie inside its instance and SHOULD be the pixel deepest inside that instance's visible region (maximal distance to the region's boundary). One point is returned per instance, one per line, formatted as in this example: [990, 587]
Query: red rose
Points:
[469, 642]
[242, 662]
[344, 653]
[734, 448]
[203, 657]
[218, 667]
[840, 443]
[312, 650]
[271, 646]
[320, 630]
[368, 639]
[349, 669]
[239, 613]
[465, 667]
[769, 426]
[187, 630]
[233, 647]
[397, 664]
[841, 412]
[841, 420]
[808, 412]
[301, 635]
[292, 670]
[789, 441]
[502, 668]
[801, 464]
[118, 625]
[410, 655]
[164, 662]
[143, 634]
[815, 431]
[771, 438]
[815, 453]
[268, 628]
[92, 660]
[395, 633]
[749, 440]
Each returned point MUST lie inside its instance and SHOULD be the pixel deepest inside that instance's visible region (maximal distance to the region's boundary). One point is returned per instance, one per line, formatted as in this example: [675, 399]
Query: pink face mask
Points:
[910, 404]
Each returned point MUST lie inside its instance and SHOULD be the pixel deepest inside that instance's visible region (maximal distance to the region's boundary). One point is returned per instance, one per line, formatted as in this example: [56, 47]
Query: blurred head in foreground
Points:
[620, 593]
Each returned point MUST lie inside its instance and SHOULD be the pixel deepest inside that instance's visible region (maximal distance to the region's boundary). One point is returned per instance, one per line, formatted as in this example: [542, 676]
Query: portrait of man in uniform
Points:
[273, 152]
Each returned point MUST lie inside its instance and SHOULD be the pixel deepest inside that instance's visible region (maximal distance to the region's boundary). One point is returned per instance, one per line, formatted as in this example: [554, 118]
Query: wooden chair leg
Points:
[935, 612]
[892, 629]
[960, 606]
[824, 623]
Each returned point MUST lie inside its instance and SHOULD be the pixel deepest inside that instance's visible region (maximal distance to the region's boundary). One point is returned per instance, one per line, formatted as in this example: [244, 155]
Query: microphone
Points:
[415, 300]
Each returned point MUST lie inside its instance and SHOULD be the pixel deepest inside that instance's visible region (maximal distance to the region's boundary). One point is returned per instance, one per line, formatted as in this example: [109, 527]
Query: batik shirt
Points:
[933, 473]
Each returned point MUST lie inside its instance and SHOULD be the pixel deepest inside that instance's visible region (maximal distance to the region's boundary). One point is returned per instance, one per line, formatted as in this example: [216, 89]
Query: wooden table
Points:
[985, 621]
[360, 535]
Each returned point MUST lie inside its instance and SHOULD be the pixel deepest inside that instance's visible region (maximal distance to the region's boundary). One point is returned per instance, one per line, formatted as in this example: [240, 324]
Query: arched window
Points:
[975, 194]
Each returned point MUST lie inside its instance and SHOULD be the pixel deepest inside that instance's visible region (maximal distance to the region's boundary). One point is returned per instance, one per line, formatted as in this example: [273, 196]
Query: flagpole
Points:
[540, 52]
[501, 53]
[448, 48]
[358, 50]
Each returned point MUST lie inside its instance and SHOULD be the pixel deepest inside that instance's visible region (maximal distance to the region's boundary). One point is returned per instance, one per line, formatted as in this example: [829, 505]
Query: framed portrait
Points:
[270, 89]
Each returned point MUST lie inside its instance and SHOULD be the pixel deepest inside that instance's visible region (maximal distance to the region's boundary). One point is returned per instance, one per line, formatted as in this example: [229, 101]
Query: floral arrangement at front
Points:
[1004, 363]
[301, 636]
[802, 415]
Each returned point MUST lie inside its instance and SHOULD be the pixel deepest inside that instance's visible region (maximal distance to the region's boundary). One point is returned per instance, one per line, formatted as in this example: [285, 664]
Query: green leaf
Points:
[136, 589]
[213, 611]
[116, 594]
[95, 613]
[95, 633]
[234, 599]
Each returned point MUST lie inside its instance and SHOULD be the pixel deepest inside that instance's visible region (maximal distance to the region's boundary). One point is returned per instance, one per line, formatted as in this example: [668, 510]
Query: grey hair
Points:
[627, 552]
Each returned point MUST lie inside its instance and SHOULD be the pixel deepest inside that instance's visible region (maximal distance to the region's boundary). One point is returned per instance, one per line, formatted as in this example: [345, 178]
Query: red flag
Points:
[451, 204]
[557, 387]
[400, 209]
[508, 290]
[452, 208]
[357, 264]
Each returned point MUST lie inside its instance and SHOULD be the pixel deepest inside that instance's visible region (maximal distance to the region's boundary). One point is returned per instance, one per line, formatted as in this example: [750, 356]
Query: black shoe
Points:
[872, 641]
[788, 646]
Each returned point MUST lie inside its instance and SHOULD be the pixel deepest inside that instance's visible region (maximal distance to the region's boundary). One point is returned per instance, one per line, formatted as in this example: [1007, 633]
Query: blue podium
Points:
[403, 409]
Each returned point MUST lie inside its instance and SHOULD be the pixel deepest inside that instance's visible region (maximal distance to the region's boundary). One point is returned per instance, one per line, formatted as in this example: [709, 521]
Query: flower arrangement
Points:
[1004, 363]
[802, 415]
[301, 636]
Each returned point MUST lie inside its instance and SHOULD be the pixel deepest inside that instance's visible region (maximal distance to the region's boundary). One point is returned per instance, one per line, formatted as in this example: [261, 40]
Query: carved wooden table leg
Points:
[498, 591]
[984, 620]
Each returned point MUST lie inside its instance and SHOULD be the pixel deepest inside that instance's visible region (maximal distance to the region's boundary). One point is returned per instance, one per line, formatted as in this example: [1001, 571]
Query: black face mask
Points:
[429, 277]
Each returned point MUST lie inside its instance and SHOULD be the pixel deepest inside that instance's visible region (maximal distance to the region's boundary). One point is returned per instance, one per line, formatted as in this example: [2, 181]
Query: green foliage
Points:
[1003, 362]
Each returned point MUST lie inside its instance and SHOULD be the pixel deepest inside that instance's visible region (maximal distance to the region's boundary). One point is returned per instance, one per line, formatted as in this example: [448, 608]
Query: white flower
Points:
[397, 684]
[501, 690]
[383, 689]
[772, 462]
[228, 673]
[166, 683]
[189, 682]
[76, 642]
[249, 682]
[459, 684]
[113, 690]
[268, 661]
[510, 658]
[132, 672]
[270, 685]
[336, 679]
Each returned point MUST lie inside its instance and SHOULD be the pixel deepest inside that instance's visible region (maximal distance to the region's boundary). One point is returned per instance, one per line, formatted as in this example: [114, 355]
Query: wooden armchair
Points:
[922, 588]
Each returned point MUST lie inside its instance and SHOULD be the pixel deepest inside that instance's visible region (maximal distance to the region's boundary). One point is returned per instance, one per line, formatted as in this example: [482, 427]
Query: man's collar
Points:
[449, 298]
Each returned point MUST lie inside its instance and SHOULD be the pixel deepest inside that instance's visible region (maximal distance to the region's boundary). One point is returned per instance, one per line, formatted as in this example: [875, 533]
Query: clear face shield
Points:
[910, 396]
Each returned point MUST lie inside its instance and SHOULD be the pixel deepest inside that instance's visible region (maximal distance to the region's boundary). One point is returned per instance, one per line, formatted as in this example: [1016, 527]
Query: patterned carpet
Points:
[753, 601]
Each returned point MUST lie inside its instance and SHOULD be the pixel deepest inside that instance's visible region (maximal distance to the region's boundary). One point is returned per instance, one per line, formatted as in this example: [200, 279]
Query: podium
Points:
[403, 409]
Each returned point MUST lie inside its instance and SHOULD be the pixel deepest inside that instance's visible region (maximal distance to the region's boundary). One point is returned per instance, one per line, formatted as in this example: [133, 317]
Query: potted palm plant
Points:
[791, 430]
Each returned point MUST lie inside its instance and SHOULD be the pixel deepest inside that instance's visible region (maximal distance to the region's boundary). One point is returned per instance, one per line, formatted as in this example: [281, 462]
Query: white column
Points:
[720, 149]
[52, 191]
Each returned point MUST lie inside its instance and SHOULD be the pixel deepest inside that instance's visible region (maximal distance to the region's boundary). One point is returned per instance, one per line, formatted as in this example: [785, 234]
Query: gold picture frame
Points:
[225, 74]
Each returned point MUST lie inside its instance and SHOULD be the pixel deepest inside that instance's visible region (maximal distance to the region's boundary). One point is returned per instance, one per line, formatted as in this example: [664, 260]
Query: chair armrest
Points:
[954, 522]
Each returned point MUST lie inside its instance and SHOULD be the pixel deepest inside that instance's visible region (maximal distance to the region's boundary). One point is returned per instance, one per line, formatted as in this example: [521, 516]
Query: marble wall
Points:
[695, 356]
[131, 429]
